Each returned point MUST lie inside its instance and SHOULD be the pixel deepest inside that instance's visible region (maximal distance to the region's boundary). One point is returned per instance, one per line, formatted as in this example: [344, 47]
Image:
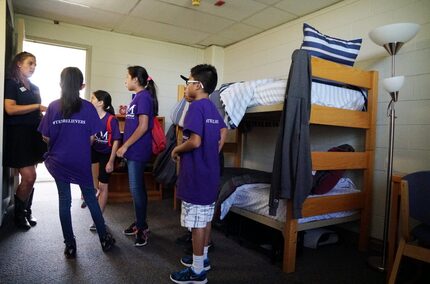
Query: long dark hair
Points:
[106, 99]
[145, 81]
[14, 72]
[71, 83]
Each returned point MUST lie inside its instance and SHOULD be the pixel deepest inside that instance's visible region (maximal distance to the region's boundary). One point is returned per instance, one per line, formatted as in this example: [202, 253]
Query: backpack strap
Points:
[109, 129]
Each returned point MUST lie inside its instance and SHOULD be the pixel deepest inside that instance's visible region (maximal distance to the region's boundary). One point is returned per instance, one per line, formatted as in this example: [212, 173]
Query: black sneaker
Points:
[131, 230]
[70, 250]
[107, 242]
[185, 239]
[141, 238]
[187, 275]
[188, 262]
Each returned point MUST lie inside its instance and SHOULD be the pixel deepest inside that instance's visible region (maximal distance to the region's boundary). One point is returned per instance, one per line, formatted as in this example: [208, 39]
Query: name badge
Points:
[23, 89]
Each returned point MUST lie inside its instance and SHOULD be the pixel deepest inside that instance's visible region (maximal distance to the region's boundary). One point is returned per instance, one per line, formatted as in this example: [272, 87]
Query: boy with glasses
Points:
[203, 137]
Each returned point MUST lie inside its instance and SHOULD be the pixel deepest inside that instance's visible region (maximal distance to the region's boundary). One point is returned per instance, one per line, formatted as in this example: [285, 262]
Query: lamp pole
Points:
[379, 263]
[392, 49]
[391, 37]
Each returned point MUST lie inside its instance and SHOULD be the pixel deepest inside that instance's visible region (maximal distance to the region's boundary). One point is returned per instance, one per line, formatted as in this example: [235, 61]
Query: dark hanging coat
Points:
[292, 165]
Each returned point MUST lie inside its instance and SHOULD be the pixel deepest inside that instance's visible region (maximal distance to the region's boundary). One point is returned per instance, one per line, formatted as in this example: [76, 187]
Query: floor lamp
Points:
[391, 37]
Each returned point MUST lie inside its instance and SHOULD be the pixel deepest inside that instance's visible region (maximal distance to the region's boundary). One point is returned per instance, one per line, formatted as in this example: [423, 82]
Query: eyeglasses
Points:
[188, 82]
[191, 82]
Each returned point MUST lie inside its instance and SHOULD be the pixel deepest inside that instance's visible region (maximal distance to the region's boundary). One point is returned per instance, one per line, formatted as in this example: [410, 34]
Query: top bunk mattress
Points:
[237, 97]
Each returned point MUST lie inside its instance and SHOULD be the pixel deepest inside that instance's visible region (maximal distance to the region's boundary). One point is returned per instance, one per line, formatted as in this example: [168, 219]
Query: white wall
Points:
[111, 53]
[268, 55]
[215, 55]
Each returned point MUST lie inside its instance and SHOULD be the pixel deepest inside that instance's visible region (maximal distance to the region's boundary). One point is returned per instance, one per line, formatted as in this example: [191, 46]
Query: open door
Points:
[10, 44]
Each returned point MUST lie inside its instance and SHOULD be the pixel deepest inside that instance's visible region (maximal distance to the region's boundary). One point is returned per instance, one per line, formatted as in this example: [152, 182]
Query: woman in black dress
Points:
[23, 146]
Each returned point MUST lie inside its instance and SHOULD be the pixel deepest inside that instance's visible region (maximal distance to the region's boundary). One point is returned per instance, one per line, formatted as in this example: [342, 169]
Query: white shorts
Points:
[196, 216]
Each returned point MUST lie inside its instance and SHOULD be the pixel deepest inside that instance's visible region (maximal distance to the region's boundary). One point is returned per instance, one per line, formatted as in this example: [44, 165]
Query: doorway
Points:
[51, 59]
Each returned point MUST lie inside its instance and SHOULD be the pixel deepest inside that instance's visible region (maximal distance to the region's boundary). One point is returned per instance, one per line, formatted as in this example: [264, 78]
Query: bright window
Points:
[51, 60]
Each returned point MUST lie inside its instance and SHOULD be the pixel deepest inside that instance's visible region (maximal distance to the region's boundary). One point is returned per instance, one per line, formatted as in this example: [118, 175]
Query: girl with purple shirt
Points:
[137, 145]
[69, 127]
[103, 151]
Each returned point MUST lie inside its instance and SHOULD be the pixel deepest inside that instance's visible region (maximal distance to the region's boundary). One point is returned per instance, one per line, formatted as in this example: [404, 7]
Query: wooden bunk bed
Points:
[320, 115]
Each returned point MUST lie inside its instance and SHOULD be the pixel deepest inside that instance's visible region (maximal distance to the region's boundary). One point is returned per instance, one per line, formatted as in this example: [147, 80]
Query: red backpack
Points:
[109, 129]
[158, 138]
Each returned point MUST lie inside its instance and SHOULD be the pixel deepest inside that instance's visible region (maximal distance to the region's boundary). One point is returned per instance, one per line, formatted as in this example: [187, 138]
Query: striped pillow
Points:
[330, 48]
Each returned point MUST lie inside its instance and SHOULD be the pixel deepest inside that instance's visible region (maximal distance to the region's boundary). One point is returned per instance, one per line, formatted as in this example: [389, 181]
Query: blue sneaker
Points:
[187, 275]
[188, 261]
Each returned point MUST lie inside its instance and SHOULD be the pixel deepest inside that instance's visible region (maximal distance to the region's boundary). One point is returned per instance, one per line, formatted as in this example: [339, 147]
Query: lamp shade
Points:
[401, 32]
[393, 84]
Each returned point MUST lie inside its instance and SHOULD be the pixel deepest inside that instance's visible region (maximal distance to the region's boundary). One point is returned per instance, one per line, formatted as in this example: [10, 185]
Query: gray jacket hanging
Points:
[292, 165]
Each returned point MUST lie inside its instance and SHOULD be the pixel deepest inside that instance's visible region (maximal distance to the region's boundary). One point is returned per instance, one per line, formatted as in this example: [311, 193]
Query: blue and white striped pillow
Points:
[330, 48]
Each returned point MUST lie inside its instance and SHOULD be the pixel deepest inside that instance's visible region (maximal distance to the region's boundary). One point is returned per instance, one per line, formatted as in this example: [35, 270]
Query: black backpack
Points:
[164, 170]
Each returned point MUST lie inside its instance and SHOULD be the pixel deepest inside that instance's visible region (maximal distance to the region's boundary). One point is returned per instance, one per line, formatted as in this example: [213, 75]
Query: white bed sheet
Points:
[273, 92]
[338, 97]
[255, 198]
[237, 97]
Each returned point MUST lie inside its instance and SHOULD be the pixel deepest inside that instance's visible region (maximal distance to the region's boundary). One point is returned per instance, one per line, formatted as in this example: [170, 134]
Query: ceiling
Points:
[175, 21]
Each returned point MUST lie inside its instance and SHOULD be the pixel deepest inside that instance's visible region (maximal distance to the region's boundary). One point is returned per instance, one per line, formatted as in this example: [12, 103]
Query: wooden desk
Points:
[118, 184]
[393, 225]
[119, 190]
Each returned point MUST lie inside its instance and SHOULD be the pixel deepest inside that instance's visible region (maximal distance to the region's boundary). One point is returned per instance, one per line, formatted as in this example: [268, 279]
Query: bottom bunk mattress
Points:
[255, 198]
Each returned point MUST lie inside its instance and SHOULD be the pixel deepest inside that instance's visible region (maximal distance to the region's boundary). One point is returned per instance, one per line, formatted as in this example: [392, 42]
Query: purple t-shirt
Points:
[101, 144]
[141, 150]
[199, 173]
[69, 151]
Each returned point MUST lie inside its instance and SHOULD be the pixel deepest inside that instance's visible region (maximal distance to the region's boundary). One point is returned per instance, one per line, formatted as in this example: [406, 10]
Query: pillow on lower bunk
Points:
[330, 48]
[324, 181]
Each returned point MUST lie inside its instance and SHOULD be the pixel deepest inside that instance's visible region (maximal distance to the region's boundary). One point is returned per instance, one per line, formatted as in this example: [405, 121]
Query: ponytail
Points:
[150, 86]
[71, 80]
[109, 109]
[106, 98]
[145, 81]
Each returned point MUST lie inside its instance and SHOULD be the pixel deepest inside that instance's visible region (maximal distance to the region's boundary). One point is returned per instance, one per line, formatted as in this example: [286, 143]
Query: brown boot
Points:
[20, 214]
